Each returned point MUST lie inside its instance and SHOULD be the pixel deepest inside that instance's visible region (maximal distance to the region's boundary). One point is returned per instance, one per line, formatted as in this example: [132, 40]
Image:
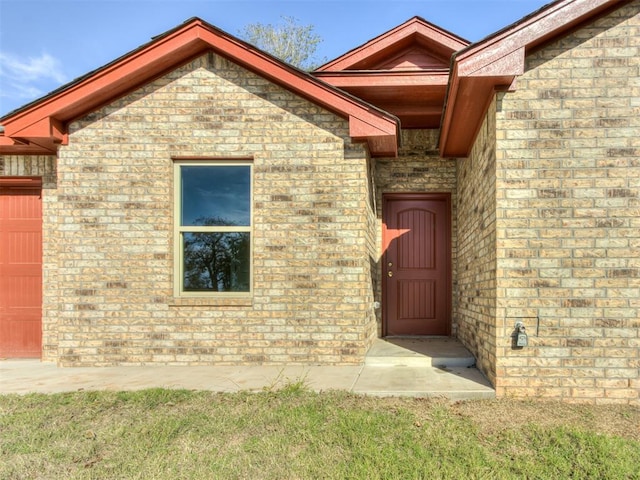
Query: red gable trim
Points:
[41, 126]
[494, 63]
[363, 57]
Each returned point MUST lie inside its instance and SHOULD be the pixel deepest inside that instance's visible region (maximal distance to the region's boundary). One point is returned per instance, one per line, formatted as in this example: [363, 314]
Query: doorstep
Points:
[422, 367]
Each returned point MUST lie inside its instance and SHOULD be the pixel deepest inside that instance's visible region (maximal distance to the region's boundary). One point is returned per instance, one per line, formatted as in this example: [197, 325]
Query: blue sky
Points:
[47, 43]
[223, 192]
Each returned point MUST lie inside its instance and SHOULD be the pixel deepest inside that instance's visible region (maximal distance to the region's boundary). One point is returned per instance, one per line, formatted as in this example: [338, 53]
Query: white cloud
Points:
[25, 79]
[31, 69]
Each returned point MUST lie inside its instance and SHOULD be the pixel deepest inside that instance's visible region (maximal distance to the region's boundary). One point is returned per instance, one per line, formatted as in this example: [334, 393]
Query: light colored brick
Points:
[582, 118]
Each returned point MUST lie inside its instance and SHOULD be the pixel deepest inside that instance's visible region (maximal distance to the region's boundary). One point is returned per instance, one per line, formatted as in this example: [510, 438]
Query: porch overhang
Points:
[403, 71]
[416, 97]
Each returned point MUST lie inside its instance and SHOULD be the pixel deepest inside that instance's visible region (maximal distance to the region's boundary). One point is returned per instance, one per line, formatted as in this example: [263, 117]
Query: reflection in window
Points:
[214, 227]
[219, 194]
[216, 262]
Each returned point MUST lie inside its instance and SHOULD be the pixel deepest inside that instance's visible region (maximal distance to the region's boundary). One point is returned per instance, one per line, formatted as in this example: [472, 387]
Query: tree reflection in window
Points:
[216, 261]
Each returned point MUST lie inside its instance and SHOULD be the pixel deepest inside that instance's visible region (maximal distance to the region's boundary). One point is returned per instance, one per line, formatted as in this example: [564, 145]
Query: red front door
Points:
[20, 269]
[417, 264]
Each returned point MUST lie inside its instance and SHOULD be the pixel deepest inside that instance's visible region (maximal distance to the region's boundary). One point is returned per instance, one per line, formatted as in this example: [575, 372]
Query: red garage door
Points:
[20, 267]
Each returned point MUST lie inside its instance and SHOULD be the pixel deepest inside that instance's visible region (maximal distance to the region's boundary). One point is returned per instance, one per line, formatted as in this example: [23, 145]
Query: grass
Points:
[295, 433]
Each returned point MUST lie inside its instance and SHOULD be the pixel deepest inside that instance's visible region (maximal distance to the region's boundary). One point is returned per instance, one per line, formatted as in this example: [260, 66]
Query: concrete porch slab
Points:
[422, 367]
[419, 352]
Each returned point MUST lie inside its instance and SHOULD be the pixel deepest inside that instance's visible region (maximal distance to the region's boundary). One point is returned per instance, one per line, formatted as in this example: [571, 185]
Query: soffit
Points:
[403, 71]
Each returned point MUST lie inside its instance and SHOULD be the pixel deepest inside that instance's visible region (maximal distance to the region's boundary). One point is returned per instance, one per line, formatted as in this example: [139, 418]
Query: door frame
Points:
[438, 196]
[31, 183]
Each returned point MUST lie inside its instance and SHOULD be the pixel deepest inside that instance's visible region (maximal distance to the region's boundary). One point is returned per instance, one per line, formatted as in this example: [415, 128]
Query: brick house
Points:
[197, 201]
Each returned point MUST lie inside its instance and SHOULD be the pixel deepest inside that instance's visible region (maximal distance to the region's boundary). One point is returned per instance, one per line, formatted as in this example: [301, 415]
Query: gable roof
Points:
[403, 71]
[39, 127]
[493, 64]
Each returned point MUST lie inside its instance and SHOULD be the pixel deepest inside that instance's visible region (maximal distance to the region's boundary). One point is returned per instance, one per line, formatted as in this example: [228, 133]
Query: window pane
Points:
[216, 262]
[216, 195]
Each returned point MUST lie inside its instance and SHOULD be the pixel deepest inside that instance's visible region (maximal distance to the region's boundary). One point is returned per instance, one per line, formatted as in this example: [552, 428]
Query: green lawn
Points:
[295, 433]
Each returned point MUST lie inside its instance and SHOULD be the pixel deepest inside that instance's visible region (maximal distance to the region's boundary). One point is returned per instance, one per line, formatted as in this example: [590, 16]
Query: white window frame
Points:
[180, 230]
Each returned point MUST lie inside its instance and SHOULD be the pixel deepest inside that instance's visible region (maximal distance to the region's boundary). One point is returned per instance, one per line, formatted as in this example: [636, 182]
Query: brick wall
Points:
[30, 166]
[312, 298]
[568, 217]
[417, 169]
[476, 296]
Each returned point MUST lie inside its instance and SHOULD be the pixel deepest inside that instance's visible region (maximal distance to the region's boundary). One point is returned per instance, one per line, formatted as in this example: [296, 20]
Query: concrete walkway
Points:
[397, 377]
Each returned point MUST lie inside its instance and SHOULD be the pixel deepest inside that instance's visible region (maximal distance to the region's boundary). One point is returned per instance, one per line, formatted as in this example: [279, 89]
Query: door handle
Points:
[390, 273]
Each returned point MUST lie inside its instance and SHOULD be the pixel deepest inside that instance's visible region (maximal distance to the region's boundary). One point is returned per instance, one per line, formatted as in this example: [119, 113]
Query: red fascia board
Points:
[418, 110]
[167, 52]
[427, 34]
[464, 116]
[392, 78]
